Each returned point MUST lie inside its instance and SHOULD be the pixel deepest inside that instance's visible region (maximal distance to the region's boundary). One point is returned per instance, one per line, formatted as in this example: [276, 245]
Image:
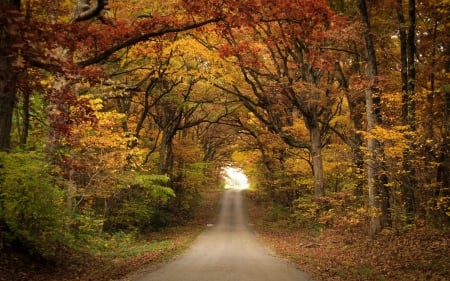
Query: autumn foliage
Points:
[338, 111]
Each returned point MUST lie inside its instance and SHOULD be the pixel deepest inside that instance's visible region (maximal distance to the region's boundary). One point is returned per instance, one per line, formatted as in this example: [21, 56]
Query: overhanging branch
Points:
[133, 41]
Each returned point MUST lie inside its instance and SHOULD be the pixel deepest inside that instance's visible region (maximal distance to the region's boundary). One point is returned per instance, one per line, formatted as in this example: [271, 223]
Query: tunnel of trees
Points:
[114, 115]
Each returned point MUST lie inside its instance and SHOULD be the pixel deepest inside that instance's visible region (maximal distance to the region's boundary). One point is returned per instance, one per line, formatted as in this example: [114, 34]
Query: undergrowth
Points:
[110, 256]
[337, 247]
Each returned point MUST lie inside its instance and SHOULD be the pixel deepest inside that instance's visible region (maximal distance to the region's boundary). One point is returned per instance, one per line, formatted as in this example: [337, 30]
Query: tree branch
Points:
[133, 41]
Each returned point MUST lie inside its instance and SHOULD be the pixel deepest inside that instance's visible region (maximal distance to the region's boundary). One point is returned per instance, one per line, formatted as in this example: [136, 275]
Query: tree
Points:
[407, 38]
[409, 94]
[432, 103]
[57, 53]
[375, 177]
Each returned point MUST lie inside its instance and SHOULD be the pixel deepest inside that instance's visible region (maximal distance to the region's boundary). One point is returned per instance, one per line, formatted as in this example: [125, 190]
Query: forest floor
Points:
[347, 253]
[116, 260]
[336, 253]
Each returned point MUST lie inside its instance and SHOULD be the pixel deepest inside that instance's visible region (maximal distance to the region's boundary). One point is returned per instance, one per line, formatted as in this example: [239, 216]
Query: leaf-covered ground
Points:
[333, 254]
[347, 253]
[122, 255]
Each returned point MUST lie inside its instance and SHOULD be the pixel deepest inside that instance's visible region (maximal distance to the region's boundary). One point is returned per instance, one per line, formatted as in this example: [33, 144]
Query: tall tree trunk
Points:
[376, 179]
[316, 154]
[8, 77]
[311, 119]
[408, 74]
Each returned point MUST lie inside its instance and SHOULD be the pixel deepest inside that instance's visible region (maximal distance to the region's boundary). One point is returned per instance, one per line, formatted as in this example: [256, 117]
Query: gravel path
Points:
[227, 251]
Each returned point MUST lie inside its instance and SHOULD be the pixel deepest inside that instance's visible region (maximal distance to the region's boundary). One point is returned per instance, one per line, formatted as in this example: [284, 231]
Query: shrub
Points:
[306, 211]
[138, 206]
[324, 211]
[31, 203]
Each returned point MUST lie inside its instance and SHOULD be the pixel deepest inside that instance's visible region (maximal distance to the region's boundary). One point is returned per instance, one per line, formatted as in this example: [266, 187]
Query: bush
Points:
[138, 206]
[277, 212]
[306, 211]
[324, 211]
[31, 204]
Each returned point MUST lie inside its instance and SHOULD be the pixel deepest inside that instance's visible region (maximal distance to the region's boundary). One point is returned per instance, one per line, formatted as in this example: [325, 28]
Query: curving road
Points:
[227, 251]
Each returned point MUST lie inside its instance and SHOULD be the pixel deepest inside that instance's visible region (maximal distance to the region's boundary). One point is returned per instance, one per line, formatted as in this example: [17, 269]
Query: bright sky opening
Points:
[235, 178]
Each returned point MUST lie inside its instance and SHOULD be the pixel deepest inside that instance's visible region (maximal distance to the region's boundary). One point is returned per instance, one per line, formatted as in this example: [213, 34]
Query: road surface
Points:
[227, 251]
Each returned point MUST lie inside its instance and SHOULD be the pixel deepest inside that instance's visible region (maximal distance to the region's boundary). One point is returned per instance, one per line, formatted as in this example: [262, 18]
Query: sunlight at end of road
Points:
[235, 178]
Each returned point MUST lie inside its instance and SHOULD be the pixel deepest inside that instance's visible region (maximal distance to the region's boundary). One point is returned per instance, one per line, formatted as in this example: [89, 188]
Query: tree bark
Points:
[316, 154]
[166, 154]
[376, 178]
[408, 75]
[7, 102]
[8, 78]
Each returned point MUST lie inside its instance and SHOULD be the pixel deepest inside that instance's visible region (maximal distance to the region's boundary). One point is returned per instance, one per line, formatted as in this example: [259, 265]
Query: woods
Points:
[116, 115]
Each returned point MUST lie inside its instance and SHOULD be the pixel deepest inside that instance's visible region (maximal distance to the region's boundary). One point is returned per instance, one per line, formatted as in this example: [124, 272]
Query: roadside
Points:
[334, 254]
[122, 255]
[346, 253]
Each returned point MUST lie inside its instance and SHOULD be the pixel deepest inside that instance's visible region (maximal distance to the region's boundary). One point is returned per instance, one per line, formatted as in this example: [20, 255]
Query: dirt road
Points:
[227, 251]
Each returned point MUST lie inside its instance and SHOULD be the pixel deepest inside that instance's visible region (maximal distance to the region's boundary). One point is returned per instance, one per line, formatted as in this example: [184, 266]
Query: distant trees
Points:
[280, 65]
[288, 73]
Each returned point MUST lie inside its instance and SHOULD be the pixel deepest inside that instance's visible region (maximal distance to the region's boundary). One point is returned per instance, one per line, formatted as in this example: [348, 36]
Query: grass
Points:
[121, 245]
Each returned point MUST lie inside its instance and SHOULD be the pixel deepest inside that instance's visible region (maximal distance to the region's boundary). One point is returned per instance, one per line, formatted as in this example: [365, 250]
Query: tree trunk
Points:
[7, 102]
[166, 154]
[8, 77]
[372, 171]
[311, 119]
[316, 154]
[411, 183]
[376, 178]
[408, 74]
